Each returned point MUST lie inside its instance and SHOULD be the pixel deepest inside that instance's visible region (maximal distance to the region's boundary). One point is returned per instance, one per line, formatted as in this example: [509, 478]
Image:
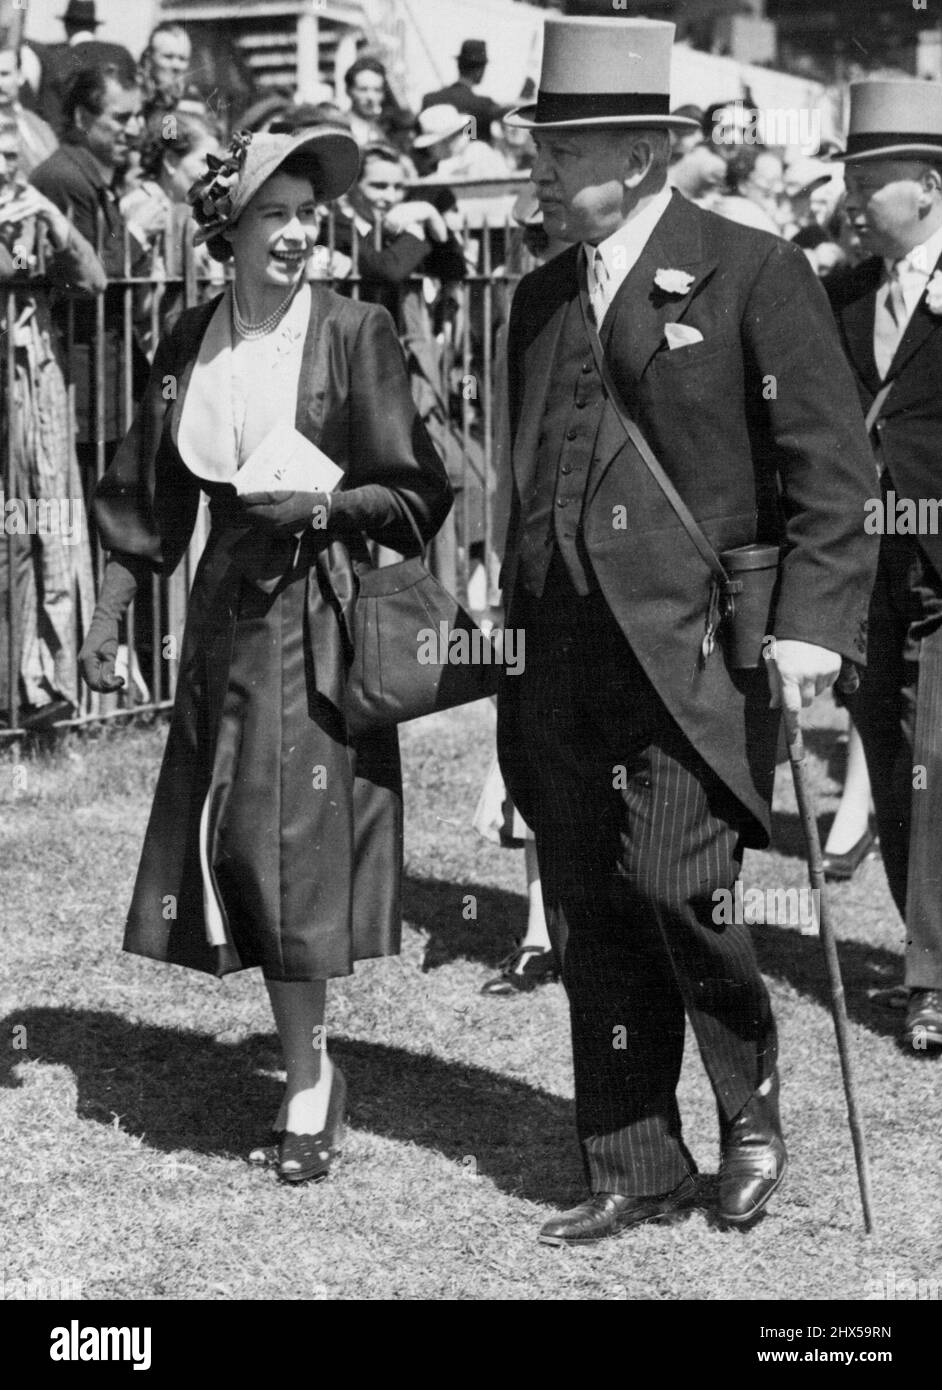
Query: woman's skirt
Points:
[269, 832]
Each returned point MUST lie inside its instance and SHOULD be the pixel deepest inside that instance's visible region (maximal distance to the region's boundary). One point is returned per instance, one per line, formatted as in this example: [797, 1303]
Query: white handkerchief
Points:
[681, 335]
[286, 461]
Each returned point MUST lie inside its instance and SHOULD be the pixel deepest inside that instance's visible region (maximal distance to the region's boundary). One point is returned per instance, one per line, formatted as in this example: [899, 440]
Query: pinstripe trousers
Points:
[634, 834]
[898, 711]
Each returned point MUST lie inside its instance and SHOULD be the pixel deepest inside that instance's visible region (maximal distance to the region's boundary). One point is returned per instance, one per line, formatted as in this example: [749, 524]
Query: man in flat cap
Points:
[889, 309]
[643, 762]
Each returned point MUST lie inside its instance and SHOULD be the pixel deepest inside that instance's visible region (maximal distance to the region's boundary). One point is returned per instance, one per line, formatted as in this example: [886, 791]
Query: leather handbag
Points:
[743, 588]
[415, 649]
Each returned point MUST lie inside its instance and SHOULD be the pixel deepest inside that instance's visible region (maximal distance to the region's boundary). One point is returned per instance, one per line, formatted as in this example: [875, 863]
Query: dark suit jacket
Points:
[72, 180]
[909, 429]
[482, 108]
[758, 427]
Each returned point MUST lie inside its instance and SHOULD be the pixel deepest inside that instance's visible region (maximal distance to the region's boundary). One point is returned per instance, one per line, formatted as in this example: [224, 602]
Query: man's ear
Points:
[637, 162]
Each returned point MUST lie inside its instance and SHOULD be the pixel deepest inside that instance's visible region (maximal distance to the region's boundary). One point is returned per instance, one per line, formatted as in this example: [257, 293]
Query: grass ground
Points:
[128, 1102]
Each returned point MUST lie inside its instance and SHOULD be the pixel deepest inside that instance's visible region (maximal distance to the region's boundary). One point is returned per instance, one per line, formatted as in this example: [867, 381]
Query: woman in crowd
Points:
[274, 840]
[50, 569]
[173, 152]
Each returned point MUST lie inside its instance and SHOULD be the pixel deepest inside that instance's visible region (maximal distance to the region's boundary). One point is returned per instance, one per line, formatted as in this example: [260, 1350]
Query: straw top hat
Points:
[894, 120]
[221, 195]
[604, 72]
[439, 122]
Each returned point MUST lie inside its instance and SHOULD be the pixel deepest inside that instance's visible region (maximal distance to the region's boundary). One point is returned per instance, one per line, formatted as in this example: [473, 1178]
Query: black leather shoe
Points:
[524, 969]
[752, 1160]
[922, 1030]
[838, 868]
[606, 1213]
[308, 1157]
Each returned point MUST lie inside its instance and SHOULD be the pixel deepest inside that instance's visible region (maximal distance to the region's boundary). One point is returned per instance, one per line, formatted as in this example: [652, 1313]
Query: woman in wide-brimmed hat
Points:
[274, 840]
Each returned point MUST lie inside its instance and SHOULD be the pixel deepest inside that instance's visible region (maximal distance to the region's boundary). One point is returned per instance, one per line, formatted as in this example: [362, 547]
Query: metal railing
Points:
[468, 356]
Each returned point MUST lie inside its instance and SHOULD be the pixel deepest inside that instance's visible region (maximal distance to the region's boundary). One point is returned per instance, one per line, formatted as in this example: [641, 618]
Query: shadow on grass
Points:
[437, 908]
[188, 1090]
[788, 955]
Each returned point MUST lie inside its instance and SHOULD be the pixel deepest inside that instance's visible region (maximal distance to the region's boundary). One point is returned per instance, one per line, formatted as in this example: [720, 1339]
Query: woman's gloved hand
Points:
[123, 575]
[287, 513]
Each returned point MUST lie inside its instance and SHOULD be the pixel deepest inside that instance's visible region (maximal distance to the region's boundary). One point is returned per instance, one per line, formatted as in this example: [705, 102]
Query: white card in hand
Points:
[286, 461]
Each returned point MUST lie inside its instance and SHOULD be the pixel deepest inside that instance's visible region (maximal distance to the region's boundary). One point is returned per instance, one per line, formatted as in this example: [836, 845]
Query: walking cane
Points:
[847, 682]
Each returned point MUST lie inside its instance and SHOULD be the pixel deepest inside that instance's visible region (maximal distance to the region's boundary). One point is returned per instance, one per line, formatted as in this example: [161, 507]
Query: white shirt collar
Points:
[622, 250]
[922, 259]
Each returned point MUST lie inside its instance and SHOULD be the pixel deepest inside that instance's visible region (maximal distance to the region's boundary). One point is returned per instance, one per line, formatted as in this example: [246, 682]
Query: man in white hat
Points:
[889, 309]
[643, 762]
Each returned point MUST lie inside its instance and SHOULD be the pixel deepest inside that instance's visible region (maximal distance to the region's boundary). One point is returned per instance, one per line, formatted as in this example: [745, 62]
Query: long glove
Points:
[287, 513]
[123, 575]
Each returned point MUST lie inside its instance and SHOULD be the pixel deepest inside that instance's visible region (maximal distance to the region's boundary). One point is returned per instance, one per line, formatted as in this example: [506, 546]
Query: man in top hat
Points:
[889, 310]
[472, 62]
[82, 49]
[642, 760]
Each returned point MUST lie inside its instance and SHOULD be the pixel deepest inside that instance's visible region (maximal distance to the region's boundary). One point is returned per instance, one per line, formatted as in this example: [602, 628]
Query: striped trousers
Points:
[634, 835]
[898, 711]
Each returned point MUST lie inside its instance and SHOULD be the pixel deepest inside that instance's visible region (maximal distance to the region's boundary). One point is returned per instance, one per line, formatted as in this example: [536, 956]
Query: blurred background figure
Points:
[36, 139]
[164, 68]
[725, 122]
[814, 191]
[365, 82]
[82, 49]
[823, 252]
[172, 156]
[102, 124]
[700, 175]
[391, 242]
[472, 65]
[52, 567]
[444, 148]
[374, 115]
[683, 141]
[756, 196]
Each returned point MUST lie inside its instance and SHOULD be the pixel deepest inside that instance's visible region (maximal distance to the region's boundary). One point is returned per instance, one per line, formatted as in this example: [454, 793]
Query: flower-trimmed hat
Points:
[221, 195]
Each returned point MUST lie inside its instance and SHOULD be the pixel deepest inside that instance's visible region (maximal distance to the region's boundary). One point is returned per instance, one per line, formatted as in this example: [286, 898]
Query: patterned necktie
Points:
[598, 294]
[890, 321]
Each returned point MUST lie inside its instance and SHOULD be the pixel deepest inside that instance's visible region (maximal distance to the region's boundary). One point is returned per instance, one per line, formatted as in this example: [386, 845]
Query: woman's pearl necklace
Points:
[266, 325]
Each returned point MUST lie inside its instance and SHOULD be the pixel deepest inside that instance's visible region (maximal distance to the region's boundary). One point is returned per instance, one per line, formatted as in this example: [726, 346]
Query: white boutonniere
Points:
[673, 281]
[934, 294]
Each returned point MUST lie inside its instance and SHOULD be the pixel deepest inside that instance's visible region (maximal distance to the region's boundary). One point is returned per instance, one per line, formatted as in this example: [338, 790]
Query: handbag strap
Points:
[877, 404]
[684, 515]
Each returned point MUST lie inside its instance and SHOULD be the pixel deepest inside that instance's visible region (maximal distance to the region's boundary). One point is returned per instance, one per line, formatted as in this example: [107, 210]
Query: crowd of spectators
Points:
[110, 146]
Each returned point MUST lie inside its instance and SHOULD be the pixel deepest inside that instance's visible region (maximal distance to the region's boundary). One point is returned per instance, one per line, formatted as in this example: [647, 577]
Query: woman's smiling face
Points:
[276, 233]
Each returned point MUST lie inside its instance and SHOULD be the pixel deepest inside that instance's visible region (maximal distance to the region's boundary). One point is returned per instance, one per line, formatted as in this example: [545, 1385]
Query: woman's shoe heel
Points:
[313, 1154]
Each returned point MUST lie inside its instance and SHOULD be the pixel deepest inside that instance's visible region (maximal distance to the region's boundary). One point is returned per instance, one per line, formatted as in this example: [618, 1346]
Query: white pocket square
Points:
[681, 335]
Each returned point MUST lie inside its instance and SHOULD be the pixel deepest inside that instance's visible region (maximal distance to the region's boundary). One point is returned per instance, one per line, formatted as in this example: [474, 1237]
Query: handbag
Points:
[743, 580]
[415, 649]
